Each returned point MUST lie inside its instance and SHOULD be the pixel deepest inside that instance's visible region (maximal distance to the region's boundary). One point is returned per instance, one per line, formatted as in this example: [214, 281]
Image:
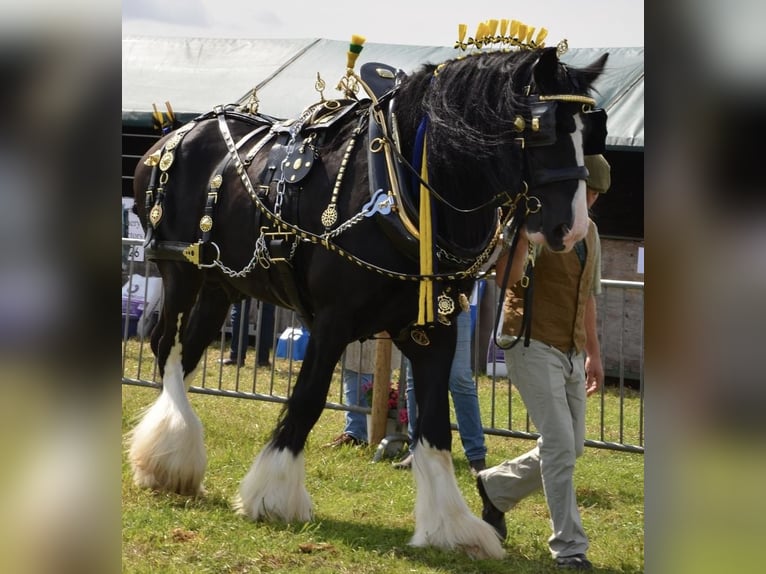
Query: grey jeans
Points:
[552, 385]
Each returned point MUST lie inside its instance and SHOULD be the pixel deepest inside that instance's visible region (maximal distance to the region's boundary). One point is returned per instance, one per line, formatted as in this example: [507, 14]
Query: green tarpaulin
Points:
[195, 74]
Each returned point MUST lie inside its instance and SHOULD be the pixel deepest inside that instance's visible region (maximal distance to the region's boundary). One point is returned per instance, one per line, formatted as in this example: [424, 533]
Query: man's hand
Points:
[594, 375]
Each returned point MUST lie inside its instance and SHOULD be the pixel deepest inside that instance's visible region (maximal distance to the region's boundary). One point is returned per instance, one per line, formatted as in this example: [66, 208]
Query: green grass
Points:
[363, 510]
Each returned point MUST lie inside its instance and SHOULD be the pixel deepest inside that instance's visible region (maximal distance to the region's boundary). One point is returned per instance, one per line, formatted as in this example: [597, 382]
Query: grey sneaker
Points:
[404, 464]
[574, 562]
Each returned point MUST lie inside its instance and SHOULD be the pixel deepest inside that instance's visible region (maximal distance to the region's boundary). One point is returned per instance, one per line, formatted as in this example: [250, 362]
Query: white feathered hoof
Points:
[465, 533]
[167, 450]
[274, 488]
[442, 518]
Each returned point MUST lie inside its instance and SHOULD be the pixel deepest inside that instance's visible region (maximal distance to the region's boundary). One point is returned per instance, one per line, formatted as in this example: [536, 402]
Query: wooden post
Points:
[380, 386]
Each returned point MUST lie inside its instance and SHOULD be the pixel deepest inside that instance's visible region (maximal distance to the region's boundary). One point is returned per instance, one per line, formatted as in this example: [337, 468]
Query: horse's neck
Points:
[452, 179]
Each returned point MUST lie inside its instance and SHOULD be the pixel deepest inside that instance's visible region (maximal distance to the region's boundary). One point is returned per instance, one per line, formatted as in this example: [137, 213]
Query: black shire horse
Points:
[364, 215]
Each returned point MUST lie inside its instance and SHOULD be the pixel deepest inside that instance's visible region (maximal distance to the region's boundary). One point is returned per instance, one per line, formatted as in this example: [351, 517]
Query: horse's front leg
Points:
[442, 517]
[166, 448]
[274, 488]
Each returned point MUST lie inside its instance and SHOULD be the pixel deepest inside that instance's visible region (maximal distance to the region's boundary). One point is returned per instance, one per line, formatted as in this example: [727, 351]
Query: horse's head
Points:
[506, 127]
[560, 128]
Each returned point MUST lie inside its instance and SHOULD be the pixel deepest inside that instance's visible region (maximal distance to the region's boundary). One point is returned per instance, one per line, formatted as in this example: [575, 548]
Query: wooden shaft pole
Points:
[380, 386]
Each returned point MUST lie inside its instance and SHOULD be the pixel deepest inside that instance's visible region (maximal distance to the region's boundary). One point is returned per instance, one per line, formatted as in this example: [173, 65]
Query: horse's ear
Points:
[594, 70]
[546, 67]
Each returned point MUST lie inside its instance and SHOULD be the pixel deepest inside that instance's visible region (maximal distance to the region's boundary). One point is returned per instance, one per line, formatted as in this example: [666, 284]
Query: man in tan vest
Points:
[554, 374]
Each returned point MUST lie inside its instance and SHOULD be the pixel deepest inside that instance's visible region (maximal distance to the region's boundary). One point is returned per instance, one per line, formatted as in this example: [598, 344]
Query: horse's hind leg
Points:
[274, 488]
[166, 448]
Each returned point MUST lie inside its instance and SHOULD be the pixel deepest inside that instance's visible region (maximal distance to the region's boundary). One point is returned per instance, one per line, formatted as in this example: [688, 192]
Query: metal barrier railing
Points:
[615, 423]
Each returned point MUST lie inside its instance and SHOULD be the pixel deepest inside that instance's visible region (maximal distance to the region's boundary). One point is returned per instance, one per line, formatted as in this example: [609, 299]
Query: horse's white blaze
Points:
[274, 487]
[442, 518]
[167, 450]
[579, 203]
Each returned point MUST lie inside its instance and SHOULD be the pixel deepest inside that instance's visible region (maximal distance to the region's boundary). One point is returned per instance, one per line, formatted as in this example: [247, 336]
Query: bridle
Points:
[540, 131]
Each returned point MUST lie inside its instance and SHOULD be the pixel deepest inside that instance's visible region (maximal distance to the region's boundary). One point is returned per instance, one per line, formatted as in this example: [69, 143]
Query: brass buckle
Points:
[271, 235]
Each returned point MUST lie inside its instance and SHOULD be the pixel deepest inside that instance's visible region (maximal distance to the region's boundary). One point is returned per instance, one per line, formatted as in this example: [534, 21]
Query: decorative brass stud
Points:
[155, 215]
[519, 124]
[535, 124]
[173, 142]
[384, 73]
[166, 161]
[329, 216]
[206, 223]
[216, 182]
[445, 304]
[420, 337]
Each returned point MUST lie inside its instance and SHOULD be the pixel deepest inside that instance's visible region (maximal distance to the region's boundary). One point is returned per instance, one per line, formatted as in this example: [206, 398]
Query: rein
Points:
[498, 200]
[514, 229]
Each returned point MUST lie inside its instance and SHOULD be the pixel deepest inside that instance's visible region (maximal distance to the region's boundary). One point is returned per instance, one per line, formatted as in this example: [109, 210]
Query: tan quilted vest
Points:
[561, 289]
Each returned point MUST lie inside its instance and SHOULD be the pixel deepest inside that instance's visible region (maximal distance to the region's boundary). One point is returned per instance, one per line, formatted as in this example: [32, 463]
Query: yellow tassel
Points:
[503, 26]
[158, 117]
[171, 114]
[426, 295]
[514, 28]
[531, 31]
[492, 27]
[481, 31]
[354, 50]
[462, 29]
[541, 36]
[522, 32]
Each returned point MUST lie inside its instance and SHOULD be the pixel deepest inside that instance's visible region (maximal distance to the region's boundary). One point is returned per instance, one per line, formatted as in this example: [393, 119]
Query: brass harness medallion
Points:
[206, 223]
[445, 304]
[155, 215]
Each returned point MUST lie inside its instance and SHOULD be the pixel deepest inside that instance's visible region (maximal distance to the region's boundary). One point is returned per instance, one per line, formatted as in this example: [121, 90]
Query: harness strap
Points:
[200, 254]
[281, 247]
[277, 245]
[526, 322]
[545, 176]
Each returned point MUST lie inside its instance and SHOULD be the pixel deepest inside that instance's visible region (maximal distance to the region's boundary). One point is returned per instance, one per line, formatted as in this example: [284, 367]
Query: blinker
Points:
[540, 129]
[594, 141]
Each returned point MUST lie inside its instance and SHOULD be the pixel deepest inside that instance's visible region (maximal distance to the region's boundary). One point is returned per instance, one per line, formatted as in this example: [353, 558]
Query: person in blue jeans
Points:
[464, 396]
[357, 375]
[240, 330]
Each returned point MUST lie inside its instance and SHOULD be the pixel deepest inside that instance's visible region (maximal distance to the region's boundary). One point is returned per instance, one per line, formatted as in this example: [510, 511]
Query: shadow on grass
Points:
[379, 539]
[386, 540]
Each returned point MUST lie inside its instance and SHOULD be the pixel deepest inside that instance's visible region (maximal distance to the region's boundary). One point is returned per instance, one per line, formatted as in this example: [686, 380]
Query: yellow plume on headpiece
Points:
[492, 27]
[541, 36]
[522, 32]
[354, 49]
[503, 26]
[481, 32]
[462, 29]
[510, 33]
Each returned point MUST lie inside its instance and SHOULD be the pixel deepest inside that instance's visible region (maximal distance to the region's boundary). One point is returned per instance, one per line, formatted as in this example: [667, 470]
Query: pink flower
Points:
[393, 399]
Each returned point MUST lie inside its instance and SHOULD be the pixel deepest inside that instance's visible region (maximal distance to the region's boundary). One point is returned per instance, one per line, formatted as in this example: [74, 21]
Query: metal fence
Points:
[615, 415]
